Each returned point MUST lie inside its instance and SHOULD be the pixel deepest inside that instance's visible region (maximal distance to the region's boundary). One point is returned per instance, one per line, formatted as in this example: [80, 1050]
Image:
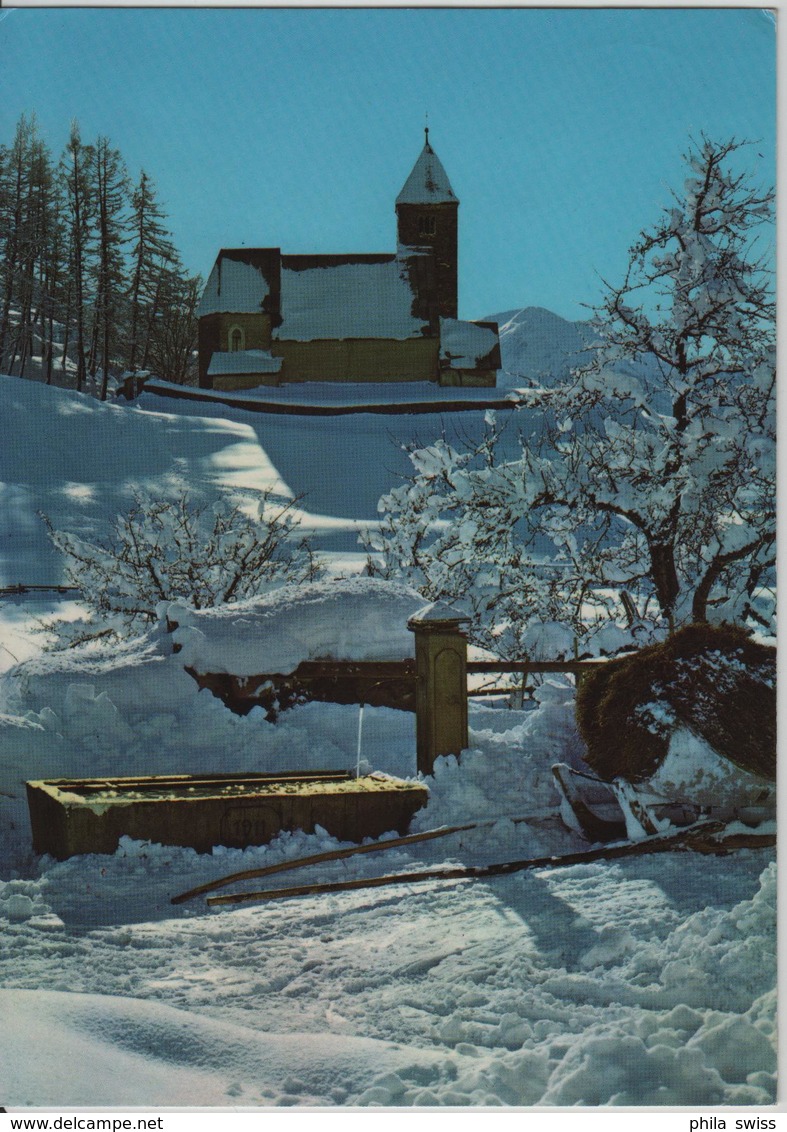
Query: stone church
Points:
[270, 319]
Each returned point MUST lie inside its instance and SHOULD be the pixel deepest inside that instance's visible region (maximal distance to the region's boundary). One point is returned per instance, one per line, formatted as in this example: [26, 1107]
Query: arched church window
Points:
[235, 336]
[427, 225]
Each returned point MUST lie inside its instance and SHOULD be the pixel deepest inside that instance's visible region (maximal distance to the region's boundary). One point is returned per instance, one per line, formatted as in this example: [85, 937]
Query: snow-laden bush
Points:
[177, 549]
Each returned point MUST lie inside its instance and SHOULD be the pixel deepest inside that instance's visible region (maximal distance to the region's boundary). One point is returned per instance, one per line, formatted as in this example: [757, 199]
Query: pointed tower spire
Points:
[428, 182]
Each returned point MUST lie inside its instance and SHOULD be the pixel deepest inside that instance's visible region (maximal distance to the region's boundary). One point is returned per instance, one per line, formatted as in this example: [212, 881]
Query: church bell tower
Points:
[427, 214]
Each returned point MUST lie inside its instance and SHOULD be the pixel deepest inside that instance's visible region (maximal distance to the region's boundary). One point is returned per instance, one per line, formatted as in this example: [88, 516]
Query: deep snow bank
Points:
[79, 460]
[348, 619]
[648, 981]
[134, 1052]
[584, 986]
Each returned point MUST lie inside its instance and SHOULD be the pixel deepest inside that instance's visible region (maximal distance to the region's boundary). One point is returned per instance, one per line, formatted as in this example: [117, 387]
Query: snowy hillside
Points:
[78, 461]
[647, 980]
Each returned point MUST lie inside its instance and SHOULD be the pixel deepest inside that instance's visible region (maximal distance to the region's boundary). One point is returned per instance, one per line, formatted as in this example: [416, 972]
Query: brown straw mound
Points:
[716, 681]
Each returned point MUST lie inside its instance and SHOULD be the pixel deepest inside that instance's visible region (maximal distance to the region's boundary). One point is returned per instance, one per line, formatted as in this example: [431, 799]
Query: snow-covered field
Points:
[642, 981]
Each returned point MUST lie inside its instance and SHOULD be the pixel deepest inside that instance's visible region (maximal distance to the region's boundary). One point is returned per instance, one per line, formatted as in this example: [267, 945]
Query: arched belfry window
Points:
[427, 225]
[236, 339]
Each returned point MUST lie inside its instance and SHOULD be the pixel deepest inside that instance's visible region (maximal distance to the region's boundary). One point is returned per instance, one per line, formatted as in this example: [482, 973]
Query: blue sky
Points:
[561, 129]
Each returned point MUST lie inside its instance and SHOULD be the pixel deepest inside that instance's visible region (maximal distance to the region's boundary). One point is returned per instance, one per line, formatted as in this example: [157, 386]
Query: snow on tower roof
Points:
[428, 183]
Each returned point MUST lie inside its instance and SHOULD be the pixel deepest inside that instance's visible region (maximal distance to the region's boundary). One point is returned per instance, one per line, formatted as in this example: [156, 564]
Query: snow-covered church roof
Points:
[353, 296]
[319, 296]
[242, 281]
[428, 183]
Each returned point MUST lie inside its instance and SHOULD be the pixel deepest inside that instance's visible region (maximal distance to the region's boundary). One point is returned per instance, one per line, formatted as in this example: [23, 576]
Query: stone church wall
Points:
[358, 359]
[214, 330]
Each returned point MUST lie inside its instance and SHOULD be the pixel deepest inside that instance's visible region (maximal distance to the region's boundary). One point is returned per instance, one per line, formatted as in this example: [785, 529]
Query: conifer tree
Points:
[152, 255]
[53, 279]
[14, 192]
[76, 165]
[173, 342]
[87, 265]
[35, 251]
[110, 194]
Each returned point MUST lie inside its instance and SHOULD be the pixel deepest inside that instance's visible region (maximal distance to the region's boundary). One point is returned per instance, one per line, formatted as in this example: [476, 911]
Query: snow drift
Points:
[342, 619]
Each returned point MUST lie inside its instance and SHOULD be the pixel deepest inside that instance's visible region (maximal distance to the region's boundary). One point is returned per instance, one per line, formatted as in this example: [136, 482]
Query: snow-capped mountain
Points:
[540, 346]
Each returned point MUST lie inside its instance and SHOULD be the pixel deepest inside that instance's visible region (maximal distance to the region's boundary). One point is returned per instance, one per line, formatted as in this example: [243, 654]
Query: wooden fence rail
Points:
[22, 588]
[527, 666]
[577, 668]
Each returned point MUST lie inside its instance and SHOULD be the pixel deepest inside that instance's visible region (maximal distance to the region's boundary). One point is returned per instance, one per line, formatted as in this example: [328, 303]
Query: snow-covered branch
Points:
[654, 471]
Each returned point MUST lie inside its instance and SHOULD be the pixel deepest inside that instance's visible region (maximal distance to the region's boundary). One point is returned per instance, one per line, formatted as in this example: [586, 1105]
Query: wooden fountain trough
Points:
[87, 815]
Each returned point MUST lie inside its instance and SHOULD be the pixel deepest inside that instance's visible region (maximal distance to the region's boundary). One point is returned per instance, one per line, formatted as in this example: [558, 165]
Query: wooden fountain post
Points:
[441, 683]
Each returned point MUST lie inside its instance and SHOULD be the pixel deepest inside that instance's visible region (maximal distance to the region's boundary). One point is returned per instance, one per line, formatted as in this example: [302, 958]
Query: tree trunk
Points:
[105, 358]
[66, 331]
[12, 247]
[92, 361]
[78, 250]
[665, 576]
[48, 332]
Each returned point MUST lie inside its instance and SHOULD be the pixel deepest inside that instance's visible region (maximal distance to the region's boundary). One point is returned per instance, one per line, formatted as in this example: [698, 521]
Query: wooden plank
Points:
[372, 669]
[680, 840]
[159, 782]
[533, 665]
[319, 858]
[21, 588]
[353, 850]
[474, 693]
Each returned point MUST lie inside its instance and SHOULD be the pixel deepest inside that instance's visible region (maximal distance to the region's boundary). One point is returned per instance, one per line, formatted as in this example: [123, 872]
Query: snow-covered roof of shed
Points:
[243, 361]
[352, 296]
[428, 182]
[466, 345]
[349, 619]
[241, 281]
